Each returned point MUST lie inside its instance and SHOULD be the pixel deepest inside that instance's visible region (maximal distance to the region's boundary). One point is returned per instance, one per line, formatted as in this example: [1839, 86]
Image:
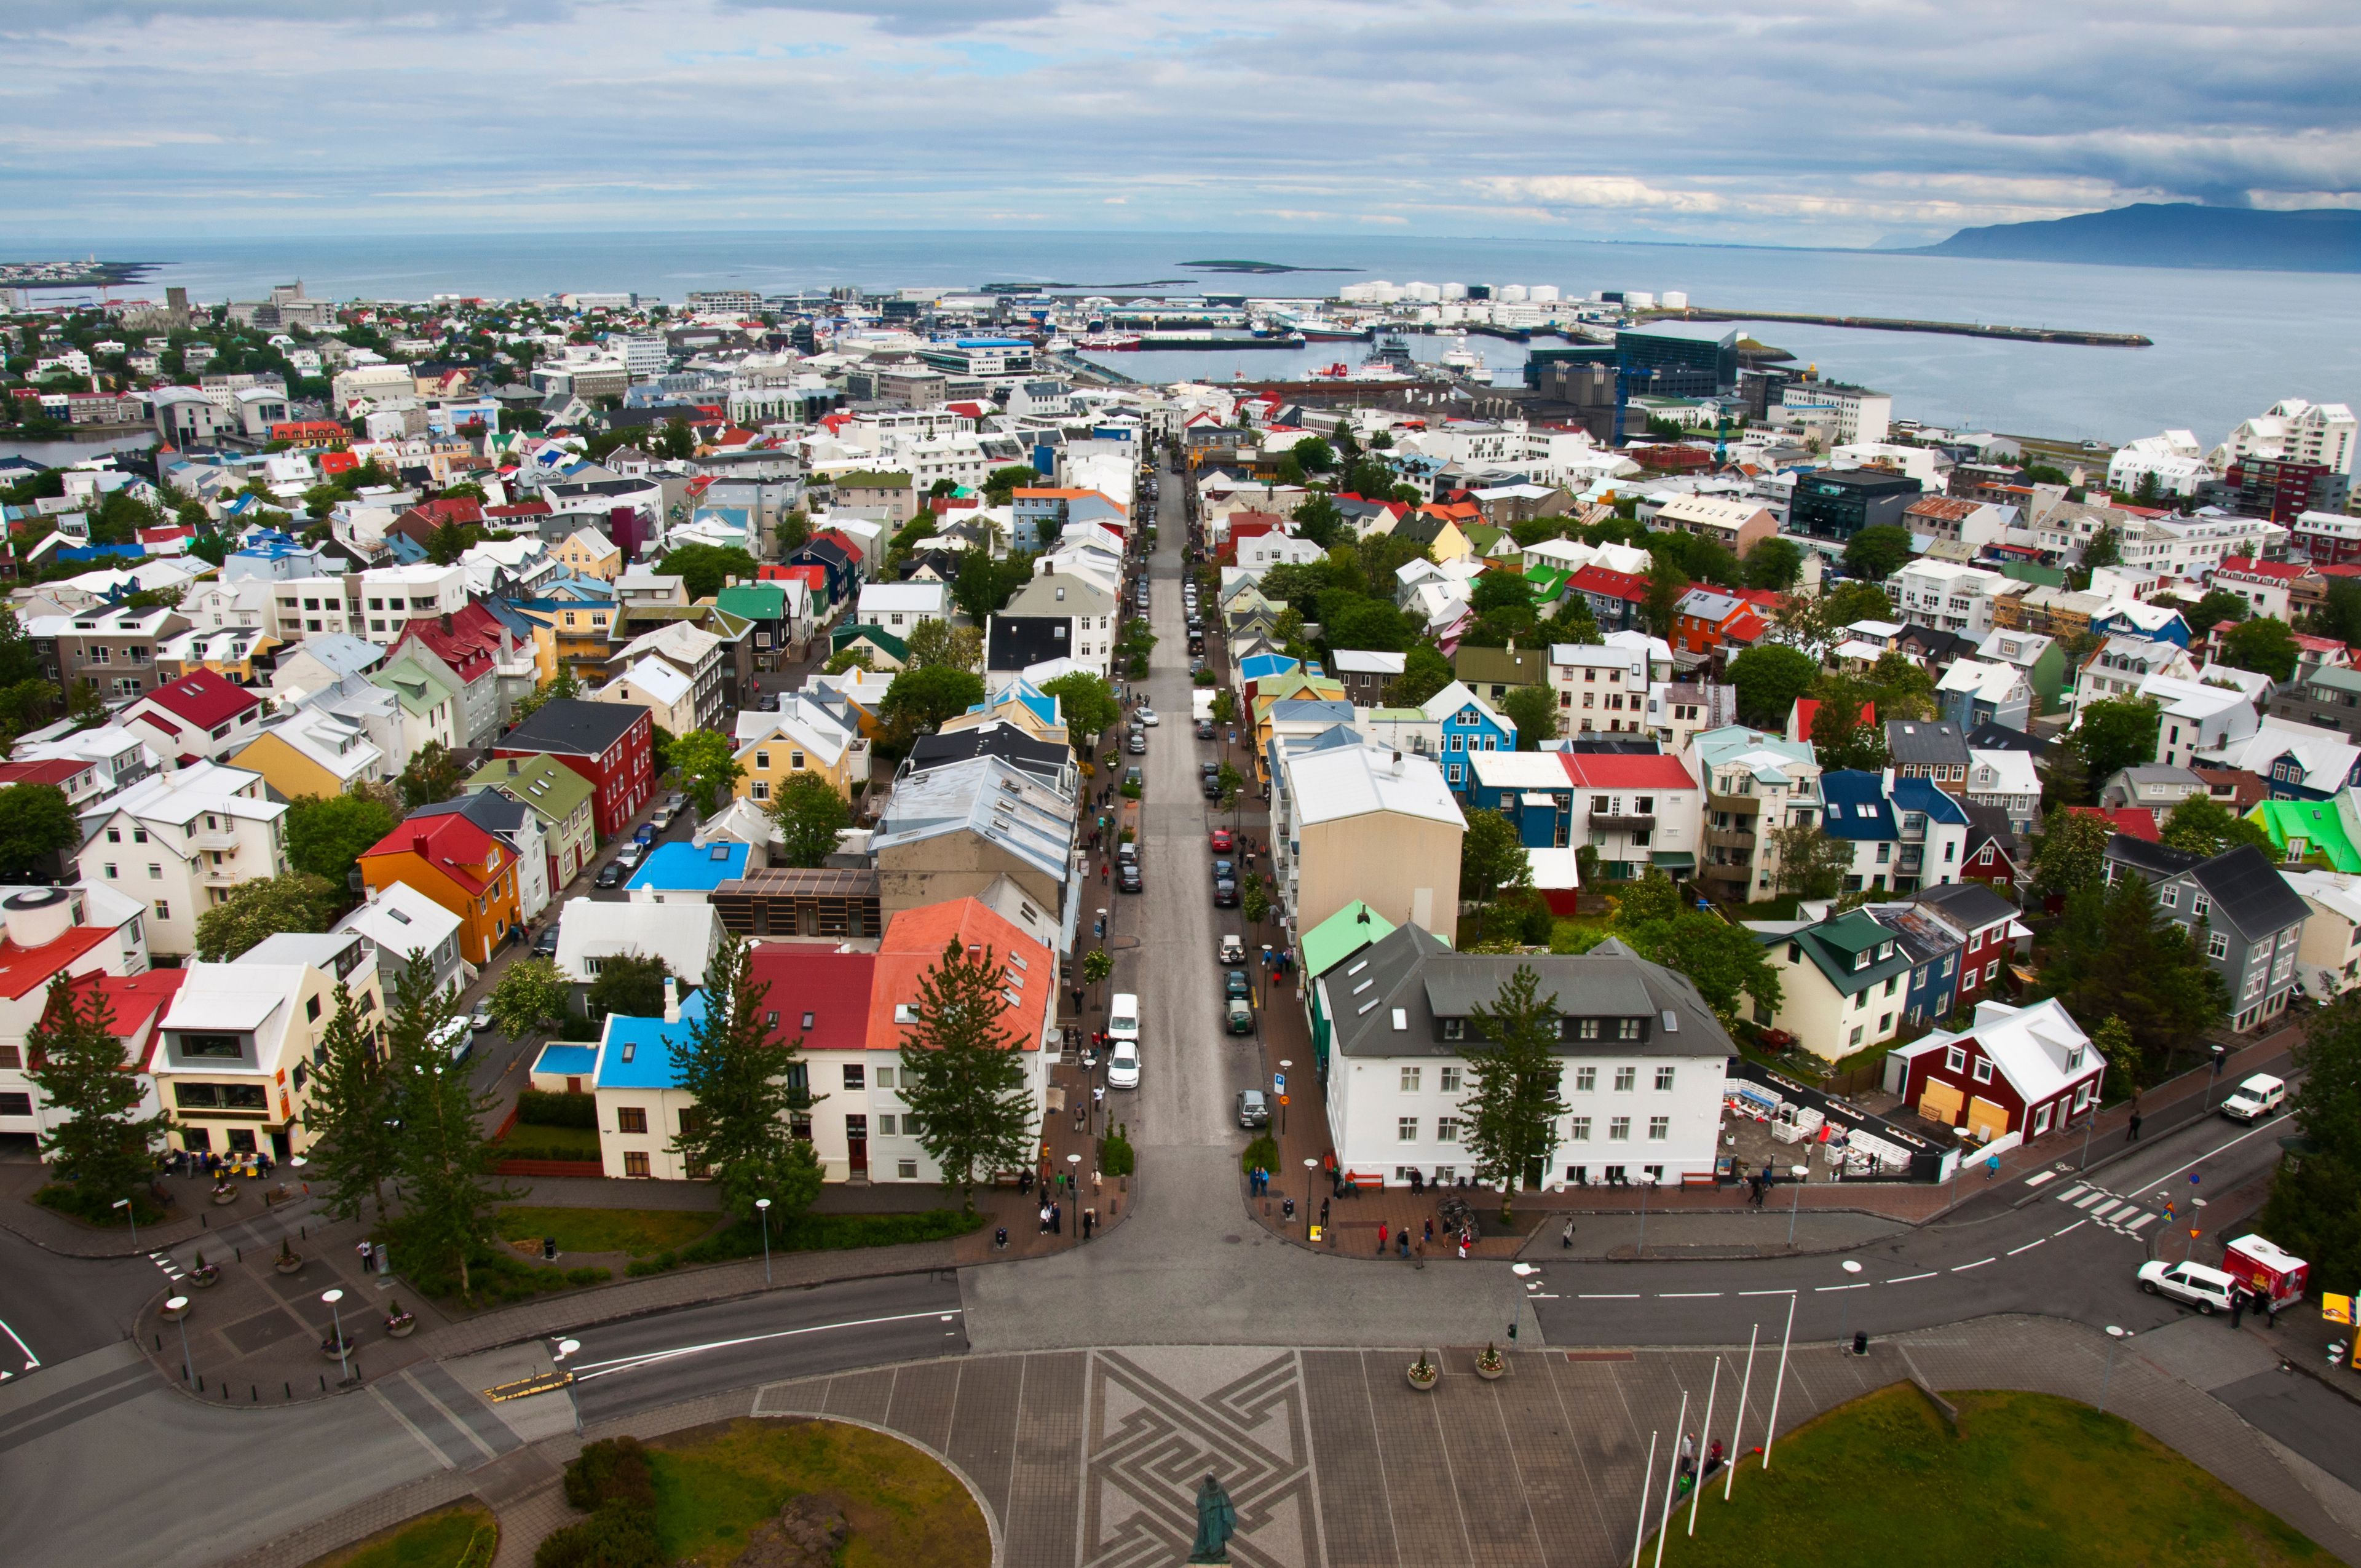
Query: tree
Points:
[2127, 1073]
[843, 659]
[983, 585]
[1085, 702]
[920, 699]
[97, 1139]
[962, 1075]
[1509, 1117]
[561, 685]
[1845, 731]
[1666, 586]
[1253, 899]
[1775, 562]
[2116, 733]
[1769, 678]
[2264, 645]
[1491, 857]
[434, 776]
[440, 1150]
[265, 907]
[2114, 953]
[1899, 687]
[1424, 673]
[703, 567]
[2314, 1208]
[791, 533]
[36, 822]
[1723, 961]
[938, 644]
[2067, 781]
[808, 814]
[2203, 826]
[1811, 864]
[1533, 710]
[708, 767]
[530, 996]
[352, 1149]
[1877, 551]
[2072, 855]
[630, 985]
[326, 834]
[2218, 606]
[1002, 484]
[742, 1133]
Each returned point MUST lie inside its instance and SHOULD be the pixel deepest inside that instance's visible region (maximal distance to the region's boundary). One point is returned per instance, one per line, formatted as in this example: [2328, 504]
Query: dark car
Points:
[545, 944]
[609, 875]
[1225, 870]
[1204, 730]
[1126, 879]
[1212, 787]
[1225, 894]
[1131, 776]
[1233, 984]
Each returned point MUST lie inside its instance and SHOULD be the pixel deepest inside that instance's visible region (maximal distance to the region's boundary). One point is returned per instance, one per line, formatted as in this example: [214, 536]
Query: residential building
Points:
[2196, 716]
[202, 714]
[803, 736]
[1058, 614]
[2123, 664]
[1950, 596]
[113, 649]
[312, 751]
[1366, 674]
[405, 926]
[610, 744]
[953, 831]
[1738, 525]
[902, 607]
[1493, 673]
[2040, 659]
[1938, 751]
[472, 652]
[82, 934]
[591, 931]
[1644, 1059]
[1364, 823]
[1906, 832]
[428, 704]
[178, 842]
[1862, 415]
[1974, 692]
[460, 865]
[559, 798]
[1841, 981]
[2254, 921]
[1467, 723]
[2292, 429]
[656, 688]
[1987, 928]
[1755, 784]
[682, 872]
[1601, 687]
[2329, 699]
[2314, 832]
[2328, 960]
[1679, 712]
[2295, 761]
[2006, 778]
[2149, 788]
[2016, 1075]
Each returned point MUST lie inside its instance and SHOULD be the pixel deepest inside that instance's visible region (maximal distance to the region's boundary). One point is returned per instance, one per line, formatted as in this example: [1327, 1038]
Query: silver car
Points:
[1254, 1111]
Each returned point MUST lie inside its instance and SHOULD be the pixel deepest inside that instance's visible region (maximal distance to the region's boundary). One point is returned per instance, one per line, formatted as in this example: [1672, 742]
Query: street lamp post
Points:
[762, 1212]
[2090, 1126]
[1647, 1185]
[344, 1367]
[131, 1214]
[2115, 1336]
[1844, 1316]
[180, 1304]
[1311, 1163]
[1794, 1208]
[566, 1347]
[2221, 1055]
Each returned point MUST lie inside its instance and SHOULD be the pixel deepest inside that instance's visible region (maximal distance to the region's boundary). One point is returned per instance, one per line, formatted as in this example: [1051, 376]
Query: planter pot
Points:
[1426, 1383]
[401, 1327]
[174, 1315]
[203, 1278]
[328, 1348]
[286, 1264]
[228, 1196]
[1493, 1373]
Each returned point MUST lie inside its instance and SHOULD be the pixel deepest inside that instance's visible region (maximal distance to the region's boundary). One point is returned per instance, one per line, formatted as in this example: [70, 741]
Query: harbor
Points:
[1899, 324]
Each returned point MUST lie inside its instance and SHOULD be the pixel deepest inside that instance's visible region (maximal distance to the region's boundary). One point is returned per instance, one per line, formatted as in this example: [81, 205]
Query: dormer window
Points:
[1454, 1028]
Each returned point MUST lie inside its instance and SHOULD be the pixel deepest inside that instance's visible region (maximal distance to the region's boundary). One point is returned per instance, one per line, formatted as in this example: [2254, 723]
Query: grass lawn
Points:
[532, 1141]
[2030, 1480]
[433, 1541]
[639, 1232]
[716, 1484]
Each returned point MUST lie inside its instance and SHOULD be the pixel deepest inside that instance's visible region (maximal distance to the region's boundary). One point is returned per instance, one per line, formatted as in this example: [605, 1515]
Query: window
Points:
[905, 1170]
[2199, 904]
[1590, 1028]
[1410, 1076]
[1585, 1080]
[1626, 1080]
[1627, 1028]
[1955, 1059]
[2217, 946]
[1983, 1069]
[631, 1119]
[1664, 1081]
[762, 759]
[1578, 1130]
[886, 1121]
[1446, 1130]
[856, 1076]
[1406, 1129]
[2170, 897]
[156, 871]
[1453, 1029]
[1659, 1128]
[635, 1163]
[1450, 1075]
[229, 1046]
[886, 1076]
[1619, 1129]
[1992, 971]
[163, 910]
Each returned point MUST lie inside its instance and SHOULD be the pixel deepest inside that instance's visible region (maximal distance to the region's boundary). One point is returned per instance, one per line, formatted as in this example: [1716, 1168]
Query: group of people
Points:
[257, 1163]
[2243, 1301]
[1399, 1240]
[1689, 1474]
[1259, 1184]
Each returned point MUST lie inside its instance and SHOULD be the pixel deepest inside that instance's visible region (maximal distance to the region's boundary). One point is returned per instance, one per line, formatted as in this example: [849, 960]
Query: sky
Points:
[1784, 122]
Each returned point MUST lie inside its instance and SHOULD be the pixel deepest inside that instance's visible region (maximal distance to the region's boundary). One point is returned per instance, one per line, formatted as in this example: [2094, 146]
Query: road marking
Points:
[1688, 1295]
[2073, 1192]
[2075, 1226]
[2028, 1246]
[1766, 1292]
[1631, 1296]
[1965, 1267]
[2107, 1210]
[2037, 1177]
[2084, 1203]
[1821, 1289]
[2200, 1159]
[586, 1371]
[31, 1361]
[1906, 1279]
[2144, 1219]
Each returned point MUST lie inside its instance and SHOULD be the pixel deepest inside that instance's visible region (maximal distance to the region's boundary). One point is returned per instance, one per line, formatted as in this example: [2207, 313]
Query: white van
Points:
[1123, 1017]
[2260, 1096]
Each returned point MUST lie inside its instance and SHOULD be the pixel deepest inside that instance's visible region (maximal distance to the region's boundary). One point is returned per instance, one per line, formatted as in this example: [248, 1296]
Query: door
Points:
[281, 1147]
[1533, 1174]
[856, 1144]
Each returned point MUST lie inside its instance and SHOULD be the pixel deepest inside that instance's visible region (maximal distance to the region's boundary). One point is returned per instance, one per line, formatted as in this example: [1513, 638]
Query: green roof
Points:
[843, 636]
[872, 479]
[1341, 935]
[2314, 824]
[554, 790]
[756, 601]
[416, 688]
[2336, 677]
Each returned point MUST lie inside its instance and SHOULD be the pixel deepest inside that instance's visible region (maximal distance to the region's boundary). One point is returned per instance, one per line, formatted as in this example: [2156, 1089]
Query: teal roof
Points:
[1341, 935]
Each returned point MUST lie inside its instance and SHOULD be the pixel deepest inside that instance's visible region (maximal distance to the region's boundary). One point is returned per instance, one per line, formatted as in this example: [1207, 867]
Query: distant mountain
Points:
[2318, 239]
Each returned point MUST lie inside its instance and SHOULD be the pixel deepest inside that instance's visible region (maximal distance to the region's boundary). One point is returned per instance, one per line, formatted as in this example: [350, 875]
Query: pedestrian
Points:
[1381, 1238]
[2133, 1136]
[1566, 1237]
[1078, 998]
[1463, 1243]
[1000, 1239]
[2270, 1309]
[1402, 1241]
[1089, 1223]
[1689, 1454]
[1426, 1236]
[1992, 1167]
[1045, 1217]
[1713, 1457]
[1324, 1216]
[2237, 1306]
[1057, 1219]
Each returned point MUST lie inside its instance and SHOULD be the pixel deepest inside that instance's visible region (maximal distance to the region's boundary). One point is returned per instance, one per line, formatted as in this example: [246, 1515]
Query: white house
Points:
[899, 607]
[684, 935]
[178, 842]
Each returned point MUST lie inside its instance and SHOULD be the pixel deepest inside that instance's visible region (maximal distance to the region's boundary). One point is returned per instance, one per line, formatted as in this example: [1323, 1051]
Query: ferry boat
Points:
[1320, 329]
[1108, 342]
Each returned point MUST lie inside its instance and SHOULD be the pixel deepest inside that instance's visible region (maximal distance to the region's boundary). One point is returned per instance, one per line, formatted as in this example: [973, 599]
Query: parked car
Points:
[2260, 1096]
[1127, 879]
[2207, 1289]
[1145, 715]
[1240, 1019]
[609, 875]
[1225, 894]
[1222, 840]
[630, 856]
[1224, 871]
[1233, 949]
[1131, 776]
[545, 944]
[1137, 744]
[481, 1019]
[1204, 730]
[1211, 787]
[1123, 1065]
[645, 835]
[1233, 984]
[661, 818]
[1254, 1111]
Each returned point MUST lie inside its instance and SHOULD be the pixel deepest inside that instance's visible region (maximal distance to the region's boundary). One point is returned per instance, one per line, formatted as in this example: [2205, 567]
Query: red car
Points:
[1223, 842]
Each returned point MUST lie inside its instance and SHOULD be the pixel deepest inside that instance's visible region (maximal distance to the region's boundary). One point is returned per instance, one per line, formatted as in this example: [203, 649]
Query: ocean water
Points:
[2227, 343]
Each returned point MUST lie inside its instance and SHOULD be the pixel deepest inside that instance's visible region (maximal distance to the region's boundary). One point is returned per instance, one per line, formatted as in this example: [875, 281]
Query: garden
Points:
[462, 1536]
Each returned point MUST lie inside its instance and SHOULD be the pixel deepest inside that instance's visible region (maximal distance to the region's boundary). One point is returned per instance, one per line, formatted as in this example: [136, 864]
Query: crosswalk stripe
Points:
[2143, 1220]
[2071, 1193]
[2108, 1209]
[2093, 1197]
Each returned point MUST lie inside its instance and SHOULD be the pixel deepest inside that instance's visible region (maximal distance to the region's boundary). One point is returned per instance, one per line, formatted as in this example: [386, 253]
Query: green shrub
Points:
[1130, 791]
[97, 1208]
[541, 1108]
[1115, 1156]
[621, 1535]
[588, 1275]
[613, 1469]
[1263, 1152]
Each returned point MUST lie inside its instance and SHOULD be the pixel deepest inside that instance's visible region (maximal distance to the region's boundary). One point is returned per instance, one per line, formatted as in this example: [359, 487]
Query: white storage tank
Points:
[1509, 293]
[1422, 293]
[1675, 300]
[1639, 299]
[1543, 293]
[1455, 290]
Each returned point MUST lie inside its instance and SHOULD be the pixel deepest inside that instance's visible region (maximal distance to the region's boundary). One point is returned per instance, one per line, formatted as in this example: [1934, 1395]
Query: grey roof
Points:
[985, 796]
[1993, 736]
[1972, 904]
[2248, 894]
[1924, 740]
[572, 727]
[1412, 972]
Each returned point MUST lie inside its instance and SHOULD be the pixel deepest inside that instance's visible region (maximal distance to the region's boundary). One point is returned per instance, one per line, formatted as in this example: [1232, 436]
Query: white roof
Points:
[2191, 699]
[1520, 770]
[1992, 682]
[1363, 662]
[2029, 1046]
[1356, 781]
[402, 920]
[1456, 695]
[651, 678]
[800, 723]
[2002, 773]
[683, 934]
[2327, 757]
[1711, 510]
[1555, 870]
[908, 598]
[2338, 892]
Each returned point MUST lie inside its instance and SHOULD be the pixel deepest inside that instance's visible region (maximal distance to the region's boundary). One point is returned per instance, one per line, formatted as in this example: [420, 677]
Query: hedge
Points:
[542, 1108]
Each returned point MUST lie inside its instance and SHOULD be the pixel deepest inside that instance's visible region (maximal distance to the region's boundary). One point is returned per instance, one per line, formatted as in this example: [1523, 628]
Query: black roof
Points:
[1972, 904]
[2156, 862]
[1596, 742]
[822, 551]
[1018, 641]
[1940, 646]
[2249, 896]
[572, 727]
[1991, 822]
[1924, 740]
[487, 809]
[1046, 759]
[1993, 736]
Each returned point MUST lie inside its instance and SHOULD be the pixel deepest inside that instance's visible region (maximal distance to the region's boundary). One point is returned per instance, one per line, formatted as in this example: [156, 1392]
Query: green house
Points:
[2315, 832]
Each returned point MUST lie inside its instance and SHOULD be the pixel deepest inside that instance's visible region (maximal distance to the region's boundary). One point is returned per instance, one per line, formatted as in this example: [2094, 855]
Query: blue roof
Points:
[690, 868]
[563, 1060]
[636, 1053]
[1857, 806]
[992, 342]
[1920, 794]
[1260, 665]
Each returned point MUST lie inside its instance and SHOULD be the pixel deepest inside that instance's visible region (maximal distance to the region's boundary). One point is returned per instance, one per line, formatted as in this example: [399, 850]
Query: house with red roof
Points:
[1634, 812]
[202, 714]
[2138, 822]
[79, 934]
[458, 865]
[1618, 600]
[467, 649]
[1709, 618]
[80, 780]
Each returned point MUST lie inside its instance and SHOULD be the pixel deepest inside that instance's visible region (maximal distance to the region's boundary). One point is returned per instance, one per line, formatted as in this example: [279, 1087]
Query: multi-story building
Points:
[405, 926]
[1600, 686]
[2123, 664]
[2284, 488]
[457, 863]
[1935, 751]
[1364, 823]
[2323, 433]
[610, 744]
[1952, 597]
[2027, 1072]
[114, 648]
[2253, 921]
[559, 798]
[1738, 525]
[1905, 832]
[1754, 783]
[1861, 414]
[2329, 699]
[178, 842]
[199, 715]
[1834, 504]
[1056, 616]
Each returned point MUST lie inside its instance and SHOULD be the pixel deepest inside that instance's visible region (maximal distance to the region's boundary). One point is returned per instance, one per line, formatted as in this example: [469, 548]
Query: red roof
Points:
[338, 461]
[812, 577]
[1614, 584]
[833, 987]
[844, 541]
[165, 535]
[457, 509]
[2277, 571]
[57, 771]
[470, 647]
[914, 944]
[136, 1002]
[1599, 770]
[2137, 821]
[451, 844]
[24, 970]
[521, 508]
[203, 697]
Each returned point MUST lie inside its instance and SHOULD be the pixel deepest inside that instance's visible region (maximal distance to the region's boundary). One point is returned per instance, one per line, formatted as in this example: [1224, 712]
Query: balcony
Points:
[1618, 821]
[222, 838]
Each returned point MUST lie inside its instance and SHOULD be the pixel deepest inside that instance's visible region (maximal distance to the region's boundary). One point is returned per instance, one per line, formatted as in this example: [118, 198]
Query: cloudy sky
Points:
[1838, 122]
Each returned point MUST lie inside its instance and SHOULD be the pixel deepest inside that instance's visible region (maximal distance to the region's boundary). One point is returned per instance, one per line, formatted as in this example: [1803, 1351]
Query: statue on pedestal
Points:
[1217, 1520]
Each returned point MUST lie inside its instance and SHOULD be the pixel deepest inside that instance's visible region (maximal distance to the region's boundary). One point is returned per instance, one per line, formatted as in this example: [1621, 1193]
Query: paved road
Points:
[53, 1308]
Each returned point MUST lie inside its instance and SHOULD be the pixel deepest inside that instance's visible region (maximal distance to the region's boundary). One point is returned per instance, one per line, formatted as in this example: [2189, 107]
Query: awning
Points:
[1673, 861]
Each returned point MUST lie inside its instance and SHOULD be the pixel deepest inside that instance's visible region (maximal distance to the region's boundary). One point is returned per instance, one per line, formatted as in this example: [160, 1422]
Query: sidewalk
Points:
[195, 1216]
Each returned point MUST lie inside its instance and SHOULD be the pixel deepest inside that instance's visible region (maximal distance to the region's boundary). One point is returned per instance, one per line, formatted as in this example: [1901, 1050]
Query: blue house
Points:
[1931, 992]
[1531, 789]
[679, 873]
[1468, 724]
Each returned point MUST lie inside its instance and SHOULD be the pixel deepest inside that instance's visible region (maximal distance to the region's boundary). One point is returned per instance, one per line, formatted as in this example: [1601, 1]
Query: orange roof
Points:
[914, 944]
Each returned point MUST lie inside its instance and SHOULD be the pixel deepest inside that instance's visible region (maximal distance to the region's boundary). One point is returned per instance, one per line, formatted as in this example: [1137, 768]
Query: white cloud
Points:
[1609, 190]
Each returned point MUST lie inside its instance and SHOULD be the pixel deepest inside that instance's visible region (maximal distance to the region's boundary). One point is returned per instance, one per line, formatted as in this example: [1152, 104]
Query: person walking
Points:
[1089, 1223]
[1426, 1236]
[2132, 1136]
[1000, 1239]
[1323, 1214]
[1381, 1238]
[1463, 1243]
[1045, 1216]
[1402, 1241]
[2270, 1306]
[1566, 1237]
[1057, 1219]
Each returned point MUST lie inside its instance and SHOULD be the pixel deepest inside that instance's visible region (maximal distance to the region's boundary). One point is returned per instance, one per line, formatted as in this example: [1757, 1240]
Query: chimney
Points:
[672, 1000]
[512, 767]
[418, 844]
[446, 623]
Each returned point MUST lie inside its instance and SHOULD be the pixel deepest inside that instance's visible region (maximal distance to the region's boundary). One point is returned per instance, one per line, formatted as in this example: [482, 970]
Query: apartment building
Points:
[199, 715]
[1951, 597]
[114, 649]
[180, 841]
[1754, 783]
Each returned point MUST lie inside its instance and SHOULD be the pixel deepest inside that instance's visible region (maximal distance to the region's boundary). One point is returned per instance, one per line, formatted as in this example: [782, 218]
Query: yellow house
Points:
[309, 752]
[228, 652]
[592, 553]
[803, 738]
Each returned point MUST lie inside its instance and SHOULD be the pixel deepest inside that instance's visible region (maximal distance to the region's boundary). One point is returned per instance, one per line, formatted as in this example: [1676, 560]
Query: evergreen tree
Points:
[2314, 1209]
[739, 1135]
[2114, 953]
[351, 1154]
[1510, 1113]
[962, 1074]
[440, 1152]
[100, 1142]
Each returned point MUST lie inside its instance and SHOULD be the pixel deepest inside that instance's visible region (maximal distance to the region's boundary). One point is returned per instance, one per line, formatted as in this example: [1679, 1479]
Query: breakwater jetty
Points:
[1902, 323]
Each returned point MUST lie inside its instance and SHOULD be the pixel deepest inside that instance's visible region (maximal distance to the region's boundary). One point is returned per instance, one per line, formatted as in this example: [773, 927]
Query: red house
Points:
[612, 744]
[1987, 925]
[2030, 1072]
[202, 714]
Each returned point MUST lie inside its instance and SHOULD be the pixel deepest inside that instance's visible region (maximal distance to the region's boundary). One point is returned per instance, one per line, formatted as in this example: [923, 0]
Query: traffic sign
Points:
[1278, 1082]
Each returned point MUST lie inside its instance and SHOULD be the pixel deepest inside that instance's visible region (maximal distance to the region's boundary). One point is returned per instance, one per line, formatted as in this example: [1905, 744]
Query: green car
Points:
[1234, 985]
[1241, 1018]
